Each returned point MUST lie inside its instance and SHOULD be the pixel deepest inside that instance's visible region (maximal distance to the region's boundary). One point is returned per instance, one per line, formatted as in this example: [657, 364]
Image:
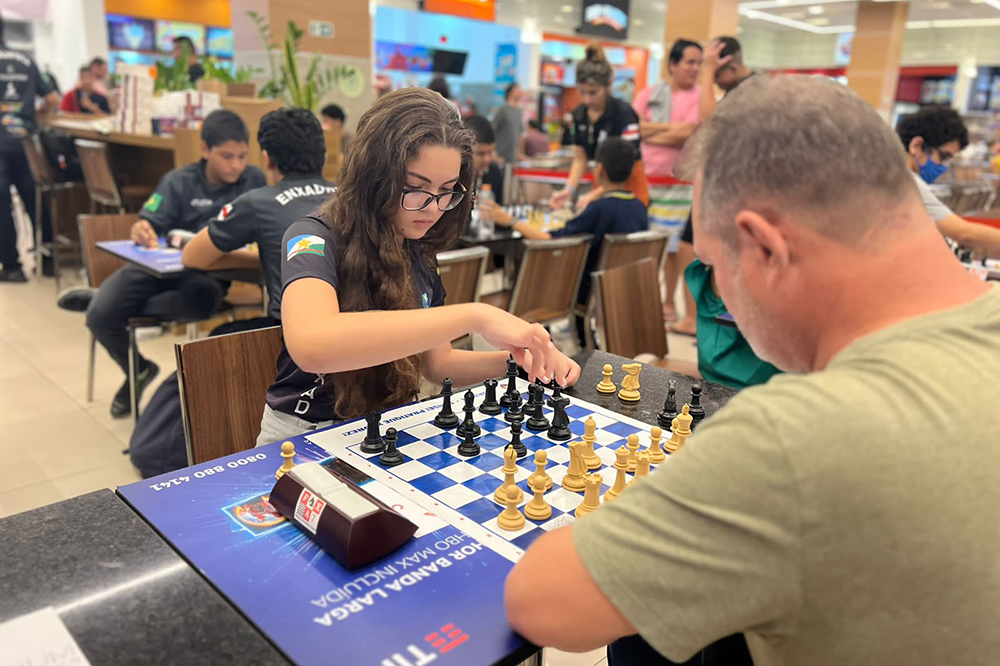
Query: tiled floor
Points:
[56, 445]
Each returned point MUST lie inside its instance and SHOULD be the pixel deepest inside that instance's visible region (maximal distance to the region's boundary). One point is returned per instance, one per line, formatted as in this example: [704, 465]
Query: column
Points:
[700, 21]
[875, 55]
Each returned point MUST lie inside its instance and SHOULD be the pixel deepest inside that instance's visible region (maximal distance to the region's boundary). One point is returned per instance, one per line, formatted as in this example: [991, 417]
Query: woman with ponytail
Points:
[598, 117]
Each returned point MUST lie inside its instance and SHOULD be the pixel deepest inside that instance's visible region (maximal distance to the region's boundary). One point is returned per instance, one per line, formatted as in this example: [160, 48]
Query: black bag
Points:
[60, 150]
[157, 445]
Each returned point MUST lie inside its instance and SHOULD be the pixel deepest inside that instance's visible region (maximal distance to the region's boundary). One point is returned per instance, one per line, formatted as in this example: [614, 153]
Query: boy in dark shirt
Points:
[186, 199]
[292, 144]
[618, 211]
[84, 98]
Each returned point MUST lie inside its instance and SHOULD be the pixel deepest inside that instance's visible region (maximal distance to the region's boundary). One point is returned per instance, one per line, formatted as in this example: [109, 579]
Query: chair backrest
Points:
[334, 161]
[97, 172]
[95, 228]
[462, 272]
[252, 110]
[629, 313]
[223, 382]
[621, 249]
[549, 278]
[41, 170]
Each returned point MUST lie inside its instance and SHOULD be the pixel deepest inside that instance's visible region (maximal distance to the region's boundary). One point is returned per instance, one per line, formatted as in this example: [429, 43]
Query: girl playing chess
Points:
[362, 306]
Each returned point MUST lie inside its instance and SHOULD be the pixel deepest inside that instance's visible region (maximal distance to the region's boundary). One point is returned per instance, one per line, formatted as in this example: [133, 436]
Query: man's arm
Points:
[674, 135]
[50, 102]
[201, 254]
[710, 64]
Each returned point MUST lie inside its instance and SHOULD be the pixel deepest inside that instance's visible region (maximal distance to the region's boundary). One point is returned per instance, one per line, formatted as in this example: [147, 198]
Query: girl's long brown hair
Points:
[373, 262]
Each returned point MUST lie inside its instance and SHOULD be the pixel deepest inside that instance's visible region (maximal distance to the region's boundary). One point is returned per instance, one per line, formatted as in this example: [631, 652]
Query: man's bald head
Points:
[800, 147]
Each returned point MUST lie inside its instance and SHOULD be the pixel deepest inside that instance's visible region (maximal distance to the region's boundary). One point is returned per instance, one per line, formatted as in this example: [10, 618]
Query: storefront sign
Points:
[484, 10]
[605, 18]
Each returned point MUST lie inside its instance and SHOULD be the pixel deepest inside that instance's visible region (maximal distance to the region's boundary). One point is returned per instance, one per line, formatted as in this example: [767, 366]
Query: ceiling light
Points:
[637, 22]
[815, 9]
[819, 21]
[567, 9]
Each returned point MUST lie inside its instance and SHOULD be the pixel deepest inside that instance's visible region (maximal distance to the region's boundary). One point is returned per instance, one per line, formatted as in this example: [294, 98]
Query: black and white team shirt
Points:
[309, 250]
[263, 216]
[20, 84]
[619, 119]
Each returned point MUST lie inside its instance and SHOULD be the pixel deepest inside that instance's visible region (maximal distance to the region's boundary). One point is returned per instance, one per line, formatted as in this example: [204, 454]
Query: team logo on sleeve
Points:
[226, 210]
[305, 244]
[153, 202]
[631, 132]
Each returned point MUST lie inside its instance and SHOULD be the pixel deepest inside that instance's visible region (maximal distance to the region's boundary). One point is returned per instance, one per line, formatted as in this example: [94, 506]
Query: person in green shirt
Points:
[845, 511]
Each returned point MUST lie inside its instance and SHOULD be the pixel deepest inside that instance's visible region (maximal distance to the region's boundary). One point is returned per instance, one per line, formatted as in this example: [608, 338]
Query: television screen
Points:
[131, 34]
[402, 57]
[167, 30]
[219, 42]
[130, 58]
[448, 62]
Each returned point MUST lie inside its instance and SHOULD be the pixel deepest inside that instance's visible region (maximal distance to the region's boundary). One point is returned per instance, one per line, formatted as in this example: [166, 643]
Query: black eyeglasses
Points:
[420, 199]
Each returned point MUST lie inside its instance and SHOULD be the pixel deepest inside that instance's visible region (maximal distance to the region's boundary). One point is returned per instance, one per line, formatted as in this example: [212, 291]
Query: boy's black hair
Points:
[98, 60]
[481, 128]
[731, 47]
[84, 69]
[182, 39]
[617, 156]
[937, 125]
[677, 50]
[439, 85]
[334, 112]
[506, 93]
[223, 125]
[534, 124]
[293, 139]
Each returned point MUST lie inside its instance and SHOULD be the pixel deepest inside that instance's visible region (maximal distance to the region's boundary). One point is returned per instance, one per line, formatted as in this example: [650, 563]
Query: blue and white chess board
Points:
[460, 490]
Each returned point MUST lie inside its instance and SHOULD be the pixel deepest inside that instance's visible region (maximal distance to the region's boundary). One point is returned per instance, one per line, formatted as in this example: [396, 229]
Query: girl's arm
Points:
[466, 368]
[563, 196]
[322, 339]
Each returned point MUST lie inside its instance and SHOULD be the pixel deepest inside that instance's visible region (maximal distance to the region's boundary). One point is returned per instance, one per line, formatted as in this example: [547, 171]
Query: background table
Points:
[125, 595]
[165, 261]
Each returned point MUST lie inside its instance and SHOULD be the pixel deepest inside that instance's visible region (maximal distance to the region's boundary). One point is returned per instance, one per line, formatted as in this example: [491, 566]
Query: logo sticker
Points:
[153, 202]
[305, 244]
[308, 510]
[226, 210]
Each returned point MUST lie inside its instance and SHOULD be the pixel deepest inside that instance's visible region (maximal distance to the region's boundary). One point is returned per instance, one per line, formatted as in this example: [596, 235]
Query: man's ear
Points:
[204, 150]
[917, 146]
[761, 242]
[598, 171]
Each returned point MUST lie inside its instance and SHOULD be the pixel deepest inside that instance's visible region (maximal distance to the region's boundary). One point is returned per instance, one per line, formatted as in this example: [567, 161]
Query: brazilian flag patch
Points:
[153, 202]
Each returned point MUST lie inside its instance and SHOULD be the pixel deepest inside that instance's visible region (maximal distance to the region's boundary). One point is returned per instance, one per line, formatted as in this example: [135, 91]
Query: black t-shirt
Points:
[263, 216]
[494, 178]
[195, 72]
[619, 119]
[184, 199]
[309, 250]
[100, 100]
[20, 84]
[616, 212]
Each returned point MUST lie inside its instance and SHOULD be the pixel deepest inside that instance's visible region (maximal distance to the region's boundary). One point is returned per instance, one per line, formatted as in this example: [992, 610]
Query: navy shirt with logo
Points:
[263, 216]
[20, 84]
[310, 252]
[619, 119]
[184, 199]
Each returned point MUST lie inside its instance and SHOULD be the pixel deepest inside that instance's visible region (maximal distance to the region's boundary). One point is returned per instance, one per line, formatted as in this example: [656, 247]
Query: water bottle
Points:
[486, 228]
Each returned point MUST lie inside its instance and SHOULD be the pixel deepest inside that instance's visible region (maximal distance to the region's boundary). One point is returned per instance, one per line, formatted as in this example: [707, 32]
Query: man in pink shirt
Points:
[668, 115]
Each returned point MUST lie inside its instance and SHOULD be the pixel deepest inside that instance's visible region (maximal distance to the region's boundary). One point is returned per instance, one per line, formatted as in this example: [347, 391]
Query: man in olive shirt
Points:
[843, 514]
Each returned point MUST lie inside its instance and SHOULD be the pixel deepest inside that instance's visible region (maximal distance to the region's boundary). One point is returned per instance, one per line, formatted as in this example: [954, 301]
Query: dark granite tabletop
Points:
[124, 595]
[652, 387]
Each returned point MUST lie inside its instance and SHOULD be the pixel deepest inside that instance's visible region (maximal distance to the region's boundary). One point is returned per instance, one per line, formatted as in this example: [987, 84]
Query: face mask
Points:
[931, 171]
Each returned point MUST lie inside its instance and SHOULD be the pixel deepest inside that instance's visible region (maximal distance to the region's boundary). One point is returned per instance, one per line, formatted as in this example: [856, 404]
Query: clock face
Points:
[351, 81]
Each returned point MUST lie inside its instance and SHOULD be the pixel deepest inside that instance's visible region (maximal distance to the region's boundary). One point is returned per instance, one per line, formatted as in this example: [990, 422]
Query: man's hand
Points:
[144, 235]
[711, 61]
[491, 212]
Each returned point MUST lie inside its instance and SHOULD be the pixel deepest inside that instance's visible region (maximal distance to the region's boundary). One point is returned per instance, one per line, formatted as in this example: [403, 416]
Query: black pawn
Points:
[515, 440]
[559, 430]
[666, 417]
[468, 447]
[537, 422]
[490, 405]
[391, 456]
[469, 423]
[695, 409]
[536, 396]
[446, 418]
[514, 413]
[511, 391]
[373, 440]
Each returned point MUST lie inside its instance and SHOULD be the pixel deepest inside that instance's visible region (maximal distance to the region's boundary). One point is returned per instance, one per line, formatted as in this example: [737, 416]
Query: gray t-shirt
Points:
[848, 516]
[508, 123]
[935, 208]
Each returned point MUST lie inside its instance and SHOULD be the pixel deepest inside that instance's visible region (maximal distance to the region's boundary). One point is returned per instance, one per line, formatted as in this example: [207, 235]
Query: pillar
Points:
[875, 55]
[699, 21]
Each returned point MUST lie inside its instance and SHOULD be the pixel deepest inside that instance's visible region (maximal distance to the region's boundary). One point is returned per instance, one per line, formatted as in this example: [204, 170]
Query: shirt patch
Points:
[153, 202]
[201, 203]
[631, 132]
[226, 210]
[305, 244]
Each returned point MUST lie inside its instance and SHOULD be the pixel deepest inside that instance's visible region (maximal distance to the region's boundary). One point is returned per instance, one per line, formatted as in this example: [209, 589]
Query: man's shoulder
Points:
[182, 175]
[253, 177]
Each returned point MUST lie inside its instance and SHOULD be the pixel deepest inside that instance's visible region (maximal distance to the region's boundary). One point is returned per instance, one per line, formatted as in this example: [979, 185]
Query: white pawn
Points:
[288, 453]
[541, 460]
[537, 508]
[511, 519]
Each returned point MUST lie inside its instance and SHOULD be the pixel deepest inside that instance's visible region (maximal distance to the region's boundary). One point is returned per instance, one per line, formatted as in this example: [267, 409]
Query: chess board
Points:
[460, 490]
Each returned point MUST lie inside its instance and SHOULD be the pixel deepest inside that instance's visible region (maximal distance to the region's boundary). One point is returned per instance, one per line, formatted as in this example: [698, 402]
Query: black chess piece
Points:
[514, 413]
[694, 407]
[665, 418]
[469, 423]
[468, 447]
[446, 418]
[515, 439]
[490, 405]
[511, 391]
[559, 430]
[537, 422]
[536, 396]
[373, 440]
[391, 456]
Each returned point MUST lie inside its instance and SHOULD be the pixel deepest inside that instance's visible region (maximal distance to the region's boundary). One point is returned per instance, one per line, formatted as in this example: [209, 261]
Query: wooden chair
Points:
[223, 382]
[46, 186]
[547, 283]
[629, 314]
[620, 250]
[462, 273]
[101, 185]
